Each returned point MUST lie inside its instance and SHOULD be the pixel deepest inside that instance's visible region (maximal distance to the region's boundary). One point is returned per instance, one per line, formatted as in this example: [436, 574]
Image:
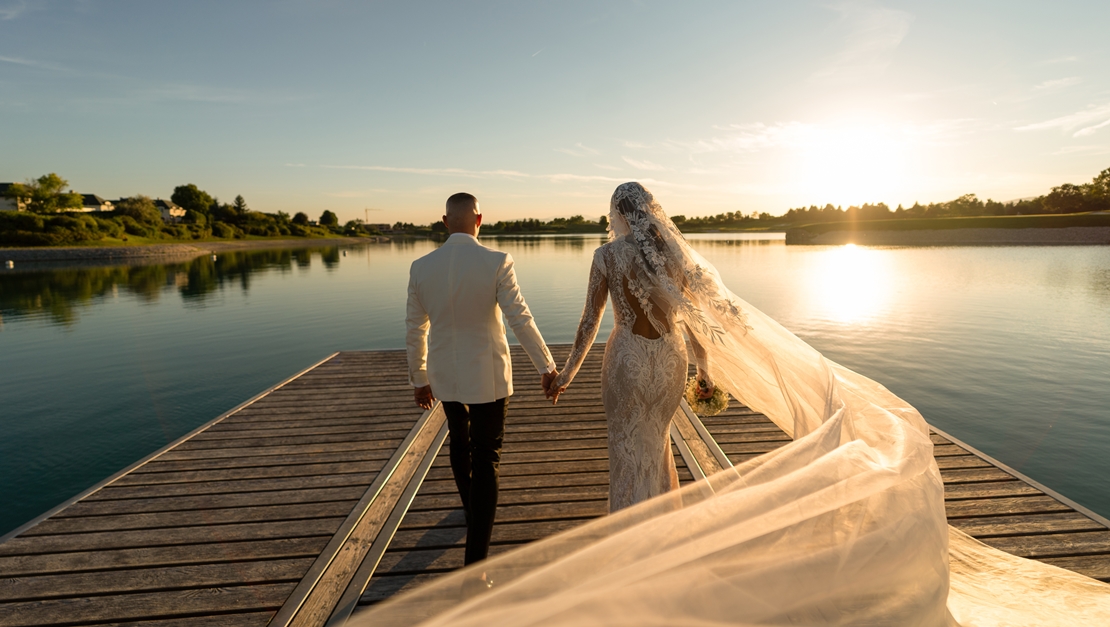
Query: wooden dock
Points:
[332, 491]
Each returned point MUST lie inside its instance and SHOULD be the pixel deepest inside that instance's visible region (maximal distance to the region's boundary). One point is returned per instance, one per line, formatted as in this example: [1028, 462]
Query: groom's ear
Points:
[478, 220]
[445, 222]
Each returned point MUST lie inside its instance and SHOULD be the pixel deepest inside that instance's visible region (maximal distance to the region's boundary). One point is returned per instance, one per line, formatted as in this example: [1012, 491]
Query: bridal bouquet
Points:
[705, 406]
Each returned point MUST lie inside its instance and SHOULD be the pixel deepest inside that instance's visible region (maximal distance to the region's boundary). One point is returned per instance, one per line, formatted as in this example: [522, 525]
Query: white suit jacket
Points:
[460, 291]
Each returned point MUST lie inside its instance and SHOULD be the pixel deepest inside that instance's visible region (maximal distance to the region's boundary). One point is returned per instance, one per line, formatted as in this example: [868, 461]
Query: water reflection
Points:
[849, 284]
[58, 293]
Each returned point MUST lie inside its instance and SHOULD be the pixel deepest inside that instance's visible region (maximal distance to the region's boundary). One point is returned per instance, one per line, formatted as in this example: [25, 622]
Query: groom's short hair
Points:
[461, 201]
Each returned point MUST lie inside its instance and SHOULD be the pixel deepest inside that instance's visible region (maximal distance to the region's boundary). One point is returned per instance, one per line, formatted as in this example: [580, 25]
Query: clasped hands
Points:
[550, 390]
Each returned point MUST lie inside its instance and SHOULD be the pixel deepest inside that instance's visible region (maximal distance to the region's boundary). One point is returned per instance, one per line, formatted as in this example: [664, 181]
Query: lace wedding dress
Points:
[642, 376]
[843, 526]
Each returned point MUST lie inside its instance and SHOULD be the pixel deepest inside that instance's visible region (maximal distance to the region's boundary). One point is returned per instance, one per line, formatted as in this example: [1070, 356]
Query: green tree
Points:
[195, 217]
[329, 219]
[189, 197]
[141, 208]
[300, 218]
[240, 205]
[45, 194]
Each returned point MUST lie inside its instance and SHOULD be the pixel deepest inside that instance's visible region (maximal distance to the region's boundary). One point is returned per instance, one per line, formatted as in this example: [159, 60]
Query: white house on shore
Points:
[11, 204]
[171, 213]
[92, 202]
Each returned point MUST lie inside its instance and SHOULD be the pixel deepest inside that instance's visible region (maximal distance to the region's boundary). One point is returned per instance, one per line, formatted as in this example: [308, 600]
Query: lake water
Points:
[1007, 348]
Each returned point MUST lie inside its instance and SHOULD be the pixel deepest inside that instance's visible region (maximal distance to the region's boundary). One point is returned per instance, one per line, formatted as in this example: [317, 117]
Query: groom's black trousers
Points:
[477, 431]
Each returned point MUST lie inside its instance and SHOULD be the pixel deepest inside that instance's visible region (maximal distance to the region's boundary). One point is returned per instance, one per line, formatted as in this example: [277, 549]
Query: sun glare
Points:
[849, 284]
[846, 165]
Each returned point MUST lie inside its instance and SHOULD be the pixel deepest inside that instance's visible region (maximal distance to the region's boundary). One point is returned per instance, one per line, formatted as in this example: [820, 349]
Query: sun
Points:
[851, 164]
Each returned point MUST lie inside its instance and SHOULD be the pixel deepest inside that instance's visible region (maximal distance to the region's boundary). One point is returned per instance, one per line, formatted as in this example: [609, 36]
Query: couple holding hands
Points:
[458, 351]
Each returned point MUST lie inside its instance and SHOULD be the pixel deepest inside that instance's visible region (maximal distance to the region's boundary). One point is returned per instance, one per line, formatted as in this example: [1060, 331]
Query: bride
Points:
[647, 271]
[843, 526]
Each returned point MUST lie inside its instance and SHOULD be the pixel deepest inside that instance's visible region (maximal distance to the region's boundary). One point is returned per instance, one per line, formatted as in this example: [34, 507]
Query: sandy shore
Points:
[164, 251]
[1080, 235]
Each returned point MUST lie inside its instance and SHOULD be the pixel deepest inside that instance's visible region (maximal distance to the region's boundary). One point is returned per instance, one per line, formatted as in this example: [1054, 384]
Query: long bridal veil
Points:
[843, 526]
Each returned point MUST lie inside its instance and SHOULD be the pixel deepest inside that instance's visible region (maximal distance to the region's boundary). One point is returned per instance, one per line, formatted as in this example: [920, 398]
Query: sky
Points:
[380, 110]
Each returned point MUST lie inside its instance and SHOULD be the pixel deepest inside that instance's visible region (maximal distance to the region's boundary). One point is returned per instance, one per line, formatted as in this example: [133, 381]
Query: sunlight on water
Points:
[848, 284]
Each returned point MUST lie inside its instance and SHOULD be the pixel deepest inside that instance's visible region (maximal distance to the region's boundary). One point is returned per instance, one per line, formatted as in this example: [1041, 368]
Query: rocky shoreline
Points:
[162, 251]
[1078, 235]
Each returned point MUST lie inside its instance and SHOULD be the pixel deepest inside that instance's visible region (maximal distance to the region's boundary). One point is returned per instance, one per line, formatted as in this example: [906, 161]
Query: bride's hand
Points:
[705, 386]
[556, 390]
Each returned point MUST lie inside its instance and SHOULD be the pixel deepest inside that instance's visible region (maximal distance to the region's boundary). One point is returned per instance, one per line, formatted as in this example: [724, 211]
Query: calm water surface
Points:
[1007, 348]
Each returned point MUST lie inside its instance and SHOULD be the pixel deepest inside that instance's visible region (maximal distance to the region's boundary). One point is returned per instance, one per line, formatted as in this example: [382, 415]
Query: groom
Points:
[460, 291]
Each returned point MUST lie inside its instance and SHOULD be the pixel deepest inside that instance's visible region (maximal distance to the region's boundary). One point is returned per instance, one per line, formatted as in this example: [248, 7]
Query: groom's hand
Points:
[546, 380]
[424, 397]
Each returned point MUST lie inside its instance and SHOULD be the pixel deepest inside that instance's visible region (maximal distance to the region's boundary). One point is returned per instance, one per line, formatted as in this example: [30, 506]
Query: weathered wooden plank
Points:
[988, 490]
[18, 565]
[1026, 524]
[538, 468]
[429, 560]
[505, 533]
[450, 500]
[256, 472]
[975, 475]
[236, 619]
[1039, 504]
[514, 437]
[510, 456]
[189, 518]
[1054, 545]
[304, 449]
[962, 462]
[1094, 566]
[381, 588]
[209, 534]
[273, 431]
[68, 585]
[204, 502]
[508, 484]
[510, 513]
[160, 466]
[386, 439]
[143, 605]
[229, 487]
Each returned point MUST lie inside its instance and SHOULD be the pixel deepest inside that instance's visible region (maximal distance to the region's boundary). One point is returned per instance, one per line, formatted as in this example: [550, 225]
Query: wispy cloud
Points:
[192, 93]
[1058, 83]
[40, 65]
[1087, 121]
[579, 150]
[14, 9]
[603, 166]
[643, 164]
[872, 33]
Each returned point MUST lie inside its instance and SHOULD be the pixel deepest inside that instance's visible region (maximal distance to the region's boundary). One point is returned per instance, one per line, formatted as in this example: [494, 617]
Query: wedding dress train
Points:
[843, 526]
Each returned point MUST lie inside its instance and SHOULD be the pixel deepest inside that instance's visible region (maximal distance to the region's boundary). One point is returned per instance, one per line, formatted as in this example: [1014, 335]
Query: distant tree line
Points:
[1063, 199]
[54, 218]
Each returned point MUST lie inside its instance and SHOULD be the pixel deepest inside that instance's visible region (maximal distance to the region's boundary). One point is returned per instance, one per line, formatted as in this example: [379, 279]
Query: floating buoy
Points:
[9, 264]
